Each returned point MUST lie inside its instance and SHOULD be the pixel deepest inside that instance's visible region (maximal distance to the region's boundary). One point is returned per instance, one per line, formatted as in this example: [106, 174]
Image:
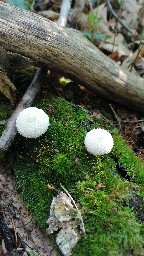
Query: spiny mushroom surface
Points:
[32, 122]
[98, 142]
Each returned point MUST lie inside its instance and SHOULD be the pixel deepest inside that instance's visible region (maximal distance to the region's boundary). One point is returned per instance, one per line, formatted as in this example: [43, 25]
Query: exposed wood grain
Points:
[70, 53]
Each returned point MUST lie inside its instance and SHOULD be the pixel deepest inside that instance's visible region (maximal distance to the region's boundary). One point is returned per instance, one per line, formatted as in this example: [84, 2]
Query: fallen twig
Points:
[10, 130]
[134, 121]
[79, 213]
[116, 16]
[65, 7]
[116, 117]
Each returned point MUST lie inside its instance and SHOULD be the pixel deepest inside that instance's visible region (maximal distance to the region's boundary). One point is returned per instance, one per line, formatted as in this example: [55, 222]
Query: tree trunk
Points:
[69, 52]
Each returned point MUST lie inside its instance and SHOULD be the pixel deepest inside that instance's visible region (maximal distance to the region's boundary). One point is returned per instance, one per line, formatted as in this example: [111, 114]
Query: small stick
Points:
[116, 28]
[116, 117]
[116, 16]
[63, 16]
[83, 228]
[135, 121]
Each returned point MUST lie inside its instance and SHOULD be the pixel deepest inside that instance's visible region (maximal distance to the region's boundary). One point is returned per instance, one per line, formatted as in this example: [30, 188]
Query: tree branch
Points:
[116, 16]
[63, 17]
[69, 52]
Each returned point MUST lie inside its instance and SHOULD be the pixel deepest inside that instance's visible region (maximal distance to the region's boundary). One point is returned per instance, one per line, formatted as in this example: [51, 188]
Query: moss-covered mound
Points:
[106, 187]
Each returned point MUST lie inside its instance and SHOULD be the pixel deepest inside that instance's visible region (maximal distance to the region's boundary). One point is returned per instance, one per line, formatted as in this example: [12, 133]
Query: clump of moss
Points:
[96, 183]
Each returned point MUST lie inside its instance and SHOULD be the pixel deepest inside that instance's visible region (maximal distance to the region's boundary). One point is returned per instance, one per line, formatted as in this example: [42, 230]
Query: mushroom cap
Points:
[32, 122]
[98, 142]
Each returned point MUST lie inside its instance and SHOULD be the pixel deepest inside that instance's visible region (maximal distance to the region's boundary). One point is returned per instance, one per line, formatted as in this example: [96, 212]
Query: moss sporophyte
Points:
[113, 224]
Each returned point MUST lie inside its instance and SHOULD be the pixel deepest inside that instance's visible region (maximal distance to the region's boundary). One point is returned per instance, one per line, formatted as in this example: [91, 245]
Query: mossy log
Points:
[104, 187]
[68, 52]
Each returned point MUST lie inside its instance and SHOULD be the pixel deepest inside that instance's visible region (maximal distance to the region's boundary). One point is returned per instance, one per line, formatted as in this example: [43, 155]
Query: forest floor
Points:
[18, 229]
[19, 233]
[23, 235]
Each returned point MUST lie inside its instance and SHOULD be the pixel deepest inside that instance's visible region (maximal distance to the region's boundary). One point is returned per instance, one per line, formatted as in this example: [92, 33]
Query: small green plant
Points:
[30, 4]
[94, 22]
[23, 4]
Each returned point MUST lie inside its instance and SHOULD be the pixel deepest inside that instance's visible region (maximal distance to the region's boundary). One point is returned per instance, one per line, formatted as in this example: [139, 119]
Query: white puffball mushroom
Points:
[32, 122]
[98, 142]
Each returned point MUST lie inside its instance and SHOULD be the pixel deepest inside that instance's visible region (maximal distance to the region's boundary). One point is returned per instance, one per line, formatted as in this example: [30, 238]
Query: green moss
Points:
[59, 156]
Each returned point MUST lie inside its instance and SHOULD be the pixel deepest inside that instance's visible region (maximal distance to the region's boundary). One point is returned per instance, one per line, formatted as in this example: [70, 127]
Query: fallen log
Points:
[69, 52]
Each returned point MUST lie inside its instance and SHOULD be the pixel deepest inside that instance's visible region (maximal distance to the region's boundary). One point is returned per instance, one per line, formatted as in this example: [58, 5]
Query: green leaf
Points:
[99, 36]
[91, 18]
[30, 4]
[87, 34]
[98, 20]
[18, 3]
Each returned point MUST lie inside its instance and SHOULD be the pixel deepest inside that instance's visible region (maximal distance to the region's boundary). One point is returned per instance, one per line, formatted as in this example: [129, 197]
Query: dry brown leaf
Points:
[141, 16]
[102, 27]
[7, 88]
[131, 6]
[137, 58]
[101, 11]
[130, 14]
[116, 44]
[66, 219]
[112, 24]
[50, 14]
[141, 2]
[81, 20]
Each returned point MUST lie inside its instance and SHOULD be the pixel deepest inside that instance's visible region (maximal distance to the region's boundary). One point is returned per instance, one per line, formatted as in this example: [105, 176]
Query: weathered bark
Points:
[69, 52]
